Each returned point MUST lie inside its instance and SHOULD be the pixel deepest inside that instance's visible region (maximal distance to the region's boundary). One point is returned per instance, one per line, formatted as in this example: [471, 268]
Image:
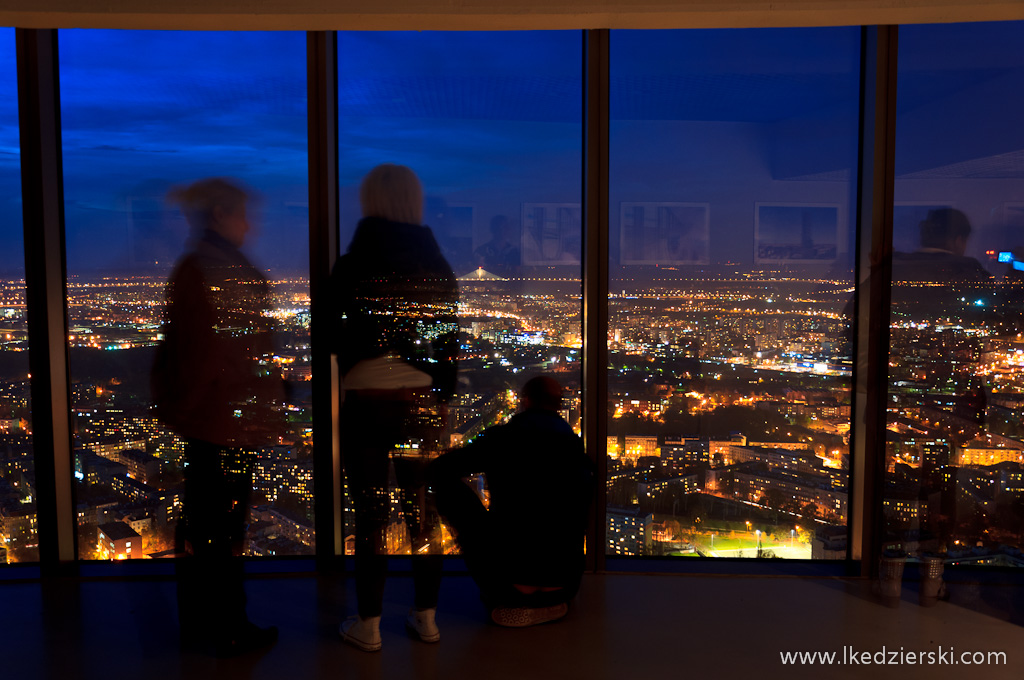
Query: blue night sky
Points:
[491, 122]
[190, 105]
[11, 257]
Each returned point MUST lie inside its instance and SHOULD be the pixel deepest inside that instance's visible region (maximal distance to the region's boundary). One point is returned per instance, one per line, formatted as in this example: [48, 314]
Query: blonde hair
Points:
[199, 200]
[392, 192]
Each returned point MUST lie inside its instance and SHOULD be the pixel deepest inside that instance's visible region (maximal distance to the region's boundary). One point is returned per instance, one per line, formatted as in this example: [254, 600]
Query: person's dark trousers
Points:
[211, 588]
[371, 426]
[480, 546]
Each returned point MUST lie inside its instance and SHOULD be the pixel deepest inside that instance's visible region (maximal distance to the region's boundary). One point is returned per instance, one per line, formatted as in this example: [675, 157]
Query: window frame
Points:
[42, 190]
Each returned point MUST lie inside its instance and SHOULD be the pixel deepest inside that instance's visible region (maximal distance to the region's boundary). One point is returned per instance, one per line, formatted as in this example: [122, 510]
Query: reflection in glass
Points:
[491, 124]
[955, 441]
[142, 112]
[731, 273]
[18, 539]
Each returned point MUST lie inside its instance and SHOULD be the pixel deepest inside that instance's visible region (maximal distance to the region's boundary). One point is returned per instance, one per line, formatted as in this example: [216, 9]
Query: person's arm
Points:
[343, 311]
[444, 347]
[465, 461]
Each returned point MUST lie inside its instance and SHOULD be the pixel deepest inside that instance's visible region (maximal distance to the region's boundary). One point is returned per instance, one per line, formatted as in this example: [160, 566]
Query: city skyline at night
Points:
[733, 244]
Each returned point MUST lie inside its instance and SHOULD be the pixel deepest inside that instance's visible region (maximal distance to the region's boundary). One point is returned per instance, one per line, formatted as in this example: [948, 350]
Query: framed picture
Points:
[788, 233]
[664, 233]
[552, 234]
[1013, 215]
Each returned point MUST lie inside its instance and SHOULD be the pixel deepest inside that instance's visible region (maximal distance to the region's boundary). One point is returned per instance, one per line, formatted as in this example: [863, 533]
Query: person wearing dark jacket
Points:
[396, 338]
[539, 481]
[212, 385]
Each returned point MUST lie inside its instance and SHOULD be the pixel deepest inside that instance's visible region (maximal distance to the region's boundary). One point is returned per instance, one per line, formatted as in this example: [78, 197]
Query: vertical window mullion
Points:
[323, 250]
[595, 278]
[43, 209]
[876, 189]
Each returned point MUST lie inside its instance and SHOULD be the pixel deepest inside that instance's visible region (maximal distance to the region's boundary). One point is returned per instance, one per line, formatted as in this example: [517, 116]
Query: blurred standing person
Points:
[396, 338]
[212, 387]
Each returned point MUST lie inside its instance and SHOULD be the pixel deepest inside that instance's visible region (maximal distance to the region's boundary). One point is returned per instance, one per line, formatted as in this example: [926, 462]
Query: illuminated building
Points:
[118, 541]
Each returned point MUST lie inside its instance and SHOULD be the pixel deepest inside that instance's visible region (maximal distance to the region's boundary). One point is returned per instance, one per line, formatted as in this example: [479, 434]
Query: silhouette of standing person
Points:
[396, 338]
[210, 386]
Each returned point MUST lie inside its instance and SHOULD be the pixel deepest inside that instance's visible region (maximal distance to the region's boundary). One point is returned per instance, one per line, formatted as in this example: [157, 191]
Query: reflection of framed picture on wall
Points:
[551, 233]
[906, 223]
[664, 233]
[788, 233]
[1013, 215]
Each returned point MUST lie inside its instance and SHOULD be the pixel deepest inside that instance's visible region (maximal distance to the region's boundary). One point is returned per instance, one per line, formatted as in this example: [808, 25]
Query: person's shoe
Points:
[421, 625]
[521, 617]
[361, 633]
[249, 638]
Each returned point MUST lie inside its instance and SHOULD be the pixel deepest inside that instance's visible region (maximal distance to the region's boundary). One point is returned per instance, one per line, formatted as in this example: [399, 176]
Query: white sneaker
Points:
[422, 625]
[361, 633]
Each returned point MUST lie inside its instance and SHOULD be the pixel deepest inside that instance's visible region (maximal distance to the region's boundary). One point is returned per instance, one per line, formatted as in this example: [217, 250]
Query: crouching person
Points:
[525, 548]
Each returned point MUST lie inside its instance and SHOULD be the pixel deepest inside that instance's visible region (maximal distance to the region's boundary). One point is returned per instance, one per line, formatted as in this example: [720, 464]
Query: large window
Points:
[733, 224]
[955, 440]
[491, 124]
[732, 236]
[18, 540]
[143, 113]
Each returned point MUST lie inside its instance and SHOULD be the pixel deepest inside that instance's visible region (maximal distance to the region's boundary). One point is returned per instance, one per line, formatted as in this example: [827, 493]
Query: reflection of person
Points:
[396, 339]
[931, 285]
[210, 387]
[499, 255]
[539, 481]
[944, 234]
[965, 288]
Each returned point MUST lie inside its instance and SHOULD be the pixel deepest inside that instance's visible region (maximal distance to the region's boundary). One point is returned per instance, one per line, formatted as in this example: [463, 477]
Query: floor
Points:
[622, 626]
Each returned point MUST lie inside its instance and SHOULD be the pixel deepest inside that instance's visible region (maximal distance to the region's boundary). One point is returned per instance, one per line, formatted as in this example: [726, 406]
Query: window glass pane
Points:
[18, 540]
[491, 124]
[144, 113]
[732, 157]
[955, 445]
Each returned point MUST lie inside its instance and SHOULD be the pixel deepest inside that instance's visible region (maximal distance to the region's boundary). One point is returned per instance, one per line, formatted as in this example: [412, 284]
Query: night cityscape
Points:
[729, 416]
[731, 362]
[511, 340]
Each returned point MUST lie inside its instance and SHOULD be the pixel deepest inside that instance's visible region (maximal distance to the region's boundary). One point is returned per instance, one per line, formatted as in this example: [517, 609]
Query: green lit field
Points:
[744, 544]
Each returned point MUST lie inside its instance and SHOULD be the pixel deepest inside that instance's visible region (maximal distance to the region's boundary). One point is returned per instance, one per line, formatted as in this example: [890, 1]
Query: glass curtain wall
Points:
[731, 217]
[18, 539]
[955, 440]
[731, 270]
[145, 115]
[491, 123]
